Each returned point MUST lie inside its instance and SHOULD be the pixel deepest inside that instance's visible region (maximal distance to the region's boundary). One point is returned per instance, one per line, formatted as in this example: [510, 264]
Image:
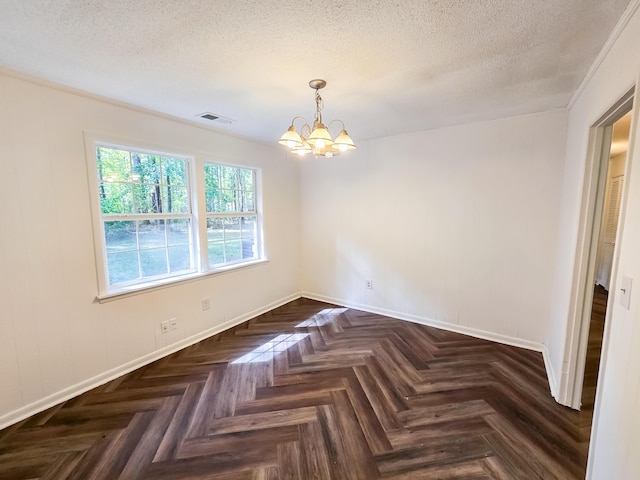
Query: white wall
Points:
[54, 338]
[455, 227]
[616, 436]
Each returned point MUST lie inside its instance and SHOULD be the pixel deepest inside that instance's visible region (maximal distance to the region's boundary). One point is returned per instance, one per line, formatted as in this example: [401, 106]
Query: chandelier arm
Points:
[334, 121]
[306, 125]
[296, 118]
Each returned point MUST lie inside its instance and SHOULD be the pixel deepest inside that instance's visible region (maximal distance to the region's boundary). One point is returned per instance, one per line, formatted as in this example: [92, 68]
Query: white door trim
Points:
[570, 388]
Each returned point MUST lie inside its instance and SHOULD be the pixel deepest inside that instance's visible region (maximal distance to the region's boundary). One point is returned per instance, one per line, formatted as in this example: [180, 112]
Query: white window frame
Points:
[196, 185]
[256, 212]
[99, 219]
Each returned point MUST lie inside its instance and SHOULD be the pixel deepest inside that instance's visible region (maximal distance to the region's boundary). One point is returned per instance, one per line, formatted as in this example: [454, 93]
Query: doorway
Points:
[584, 275]
[615, 163]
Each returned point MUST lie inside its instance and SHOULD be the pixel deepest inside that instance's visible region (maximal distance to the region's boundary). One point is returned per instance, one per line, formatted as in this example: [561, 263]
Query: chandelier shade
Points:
[316, 140]
[302, 149]
[320, 136]
[291, 138]
[343, 142]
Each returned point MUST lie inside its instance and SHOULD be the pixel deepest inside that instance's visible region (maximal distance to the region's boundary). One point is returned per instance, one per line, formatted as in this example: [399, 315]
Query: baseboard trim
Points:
[473, 332]
[49, 401]
[17, 415]
[551, 376]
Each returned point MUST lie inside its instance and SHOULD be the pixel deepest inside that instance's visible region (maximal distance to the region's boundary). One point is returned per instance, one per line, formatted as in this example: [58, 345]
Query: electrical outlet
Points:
[205, 304]
[369, 285]
[173, 324]
[164, 326]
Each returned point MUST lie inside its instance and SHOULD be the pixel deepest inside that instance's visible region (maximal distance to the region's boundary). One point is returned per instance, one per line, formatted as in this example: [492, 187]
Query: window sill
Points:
[169, 282]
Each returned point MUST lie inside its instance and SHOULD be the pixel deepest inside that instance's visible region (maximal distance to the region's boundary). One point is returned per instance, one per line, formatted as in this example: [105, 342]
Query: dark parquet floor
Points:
[312, 391]
[592, 363]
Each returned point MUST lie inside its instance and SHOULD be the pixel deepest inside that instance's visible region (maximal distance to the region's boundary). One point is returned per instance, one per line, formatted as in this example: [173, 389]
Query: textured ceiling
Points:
[391, 66]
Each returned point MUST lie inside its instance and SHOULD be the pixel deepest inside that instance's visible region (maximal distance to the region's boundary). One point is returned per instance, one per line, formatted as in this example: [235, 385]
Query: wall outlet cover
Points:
[625, 291]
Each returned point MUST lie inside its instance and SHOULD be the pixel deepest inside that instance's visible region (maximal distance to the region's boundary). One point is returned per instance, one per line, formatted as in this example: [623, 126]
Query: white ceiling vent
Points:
[214, 117]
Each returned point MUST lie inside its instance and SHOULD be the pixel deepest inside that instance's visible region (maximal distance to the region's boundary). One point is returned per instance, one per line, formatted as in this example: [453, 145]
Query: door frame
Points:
[591, 210]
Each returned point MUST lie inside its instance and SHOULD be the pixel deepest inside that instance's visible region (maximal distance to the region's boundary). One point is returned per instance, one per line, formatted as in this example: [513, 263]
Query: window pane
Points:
[212, 174]
[213, 200]
[116, 198]
[146, 166]
[249, 244]
[113, 165]
[249, 249]
[179, 258]
[122, 267]
[247, 202]
[218, 201]
[229, 189]
[174, 171]
[233, 250]
[148, 186]
[212, 188]
[175, 200]
[228, 201]
[153, 262]
[216, 253]
[231, 228]
[151, 233]
[147, 198]
[229, 177]
[159, 183]
[120, 236]
[179, 232]
[215, 229]
[248, 225]
[236, 201]
[246, 179]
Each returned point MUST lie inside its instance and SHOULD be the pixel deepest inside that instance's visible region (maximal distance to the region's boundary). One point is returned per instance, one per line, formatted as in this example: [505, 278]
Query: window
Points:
[232, 219]
[146, 215]
[151, 225]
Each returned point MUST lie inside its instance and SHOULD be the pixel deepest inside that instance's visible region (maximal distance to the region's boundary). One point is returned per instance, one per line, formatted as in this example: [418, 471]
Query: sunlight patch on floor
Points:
[323, 317]
[266, 351]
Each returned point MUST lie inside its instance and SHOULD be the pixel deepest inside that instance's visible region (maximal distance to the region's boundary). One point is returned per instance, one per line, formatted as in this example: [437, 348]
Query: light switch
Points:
[625, 291]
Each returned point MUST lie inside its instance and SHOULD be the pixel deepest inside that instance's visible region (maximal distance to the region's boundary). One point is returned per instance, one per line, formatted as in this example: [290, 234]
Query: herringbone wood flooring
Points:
[594, 345]
[312, 391]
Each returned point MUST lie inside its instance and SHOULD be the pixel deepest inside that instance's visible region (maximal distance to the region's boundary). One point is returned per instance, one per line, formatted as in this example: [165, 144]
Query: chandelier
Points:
[316, 140]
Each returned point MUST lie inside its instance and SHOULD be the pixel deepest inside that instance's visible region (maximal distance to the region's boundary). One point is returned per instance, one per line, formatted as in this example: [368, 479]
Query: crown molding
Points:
[606, 48]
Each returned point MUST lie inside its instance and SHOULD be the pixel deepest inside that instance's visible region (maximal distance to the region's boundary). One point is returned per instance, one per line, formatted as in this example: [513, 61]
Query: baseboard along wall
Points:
[86, 385]
[74, 390]
[472, 332]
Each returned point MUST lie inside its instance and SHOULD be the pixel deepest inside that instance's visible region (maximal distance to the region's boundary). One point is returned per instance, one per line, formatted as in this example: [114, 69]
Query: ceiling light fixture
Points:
[316, 140]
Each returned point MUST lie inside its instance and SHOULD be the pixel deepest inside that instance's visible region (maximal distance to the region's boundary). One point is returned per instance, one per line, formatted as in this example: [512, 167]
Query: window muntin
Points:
[150, 227]
[146, 215]
[232, 217]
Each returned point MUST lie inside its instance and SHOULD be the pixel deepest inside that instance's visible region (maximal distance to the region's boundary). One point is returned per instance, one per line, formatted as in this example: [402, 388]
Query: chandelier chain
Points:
[319, 105]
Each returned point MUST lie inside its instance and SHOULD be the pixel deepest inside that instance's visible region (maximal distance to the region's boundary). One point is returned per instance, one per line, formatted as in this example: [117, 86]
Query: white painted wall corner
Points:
[485, 335]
